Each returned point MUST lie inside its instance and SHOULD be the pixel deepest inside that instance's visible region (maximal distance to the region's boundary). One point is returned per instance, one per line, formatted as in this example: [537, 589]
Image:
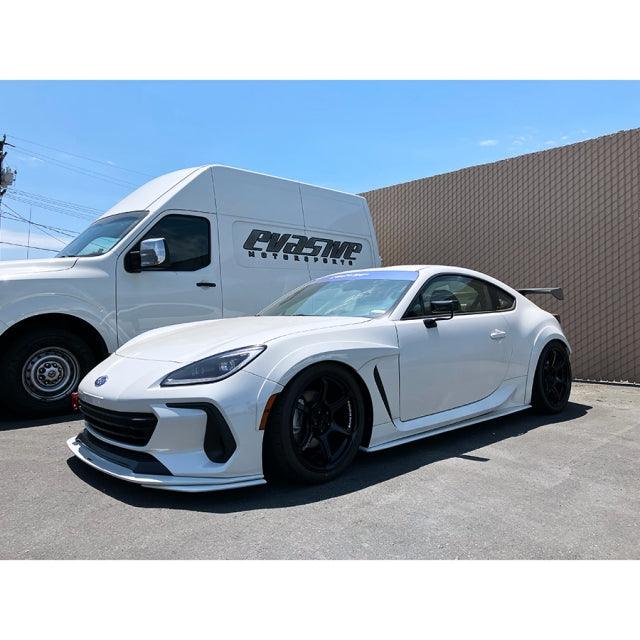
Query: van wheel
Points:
[41, 369]
[316, 426]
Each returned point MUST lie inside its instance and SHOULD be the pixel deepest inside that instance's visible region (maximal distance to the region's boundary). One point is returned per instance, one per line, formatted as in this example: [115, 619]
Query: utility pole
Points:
[7, 178]
[29, 235]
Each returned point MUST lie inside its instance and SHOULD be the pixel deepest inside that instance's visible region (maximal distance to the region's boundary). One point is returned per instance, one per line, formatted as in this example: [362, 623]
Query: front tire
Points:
[552, 381]
[41, 369]
[316, 426]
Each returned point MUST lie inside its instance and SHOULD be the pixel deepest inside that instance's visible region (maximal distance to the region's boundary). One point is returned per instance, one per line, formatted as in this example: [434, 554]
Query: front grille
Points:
[129, 428]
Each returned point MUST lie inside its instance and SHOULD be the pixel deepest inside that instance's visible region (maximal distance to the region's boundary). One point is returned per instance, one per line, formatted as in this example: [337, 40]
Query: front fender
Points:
[544, 336]
[354, 354]
[25, 308]
[362, 357]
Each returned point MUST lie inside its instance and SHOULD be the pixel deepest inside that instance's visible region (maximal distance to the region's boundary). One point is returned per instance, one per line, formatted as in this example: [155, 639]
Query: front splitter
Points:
[188, 484]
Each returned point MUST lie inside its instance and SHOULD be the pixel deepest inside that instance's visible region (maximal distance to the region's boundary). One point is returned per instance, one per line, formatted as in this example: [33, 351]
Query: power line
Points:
[18, 244]
[66, 203]
[66, 232]
[77, 155]
[49, 207]
[27, 153]
[27, 221]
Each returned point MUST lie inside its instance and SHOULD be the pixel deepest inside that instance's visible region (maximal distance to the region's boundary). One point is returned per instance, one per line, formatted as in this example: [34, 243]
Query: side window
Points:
[502, 301]
[188, 240]
[469, 295]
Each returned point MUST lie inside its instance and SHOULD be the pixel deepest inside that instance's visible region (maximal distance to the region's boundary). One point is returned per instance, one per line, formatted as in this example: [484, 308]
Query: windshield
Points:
[366, 294]
[102, 235]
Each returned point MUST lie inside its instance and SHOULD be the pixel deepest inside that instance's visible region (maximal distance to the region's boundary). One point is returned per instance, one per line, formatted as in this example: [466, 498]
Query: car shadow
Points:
[11, 423]
[368, 469]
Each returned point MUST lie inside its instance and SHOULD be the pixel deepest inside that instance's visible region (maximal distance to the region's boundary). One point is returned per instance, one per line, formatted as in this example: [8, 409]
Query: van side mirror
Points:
[440, 310]
[153, 252]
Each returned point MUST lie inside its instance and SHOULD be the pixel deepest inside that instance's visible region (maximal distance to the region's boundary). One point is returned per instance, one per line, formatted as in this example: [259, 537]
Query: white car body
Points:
[267, 235]
[419, 381]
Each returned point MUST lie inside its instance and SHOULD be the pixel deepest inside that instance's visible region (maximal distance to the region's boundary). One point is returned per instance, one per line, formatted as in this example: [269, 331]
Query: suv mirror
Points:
[153, 252]
[441, 310]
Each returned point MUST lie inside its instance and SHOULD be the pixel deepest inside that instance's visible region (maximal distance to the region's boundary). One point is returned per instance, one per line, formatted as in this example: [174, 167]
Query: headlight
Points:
[214, 368]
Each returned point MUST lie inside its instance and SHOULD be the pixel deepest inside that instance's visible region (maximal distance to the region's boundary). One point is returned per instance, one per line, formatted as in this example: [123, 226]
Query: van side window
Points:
[469, 295]
[188, 240]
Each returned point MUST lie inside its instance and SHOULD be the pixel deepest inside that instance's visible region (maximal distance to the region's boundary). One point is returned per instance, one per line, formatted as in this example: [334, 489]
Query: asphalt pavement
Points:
[522, 486]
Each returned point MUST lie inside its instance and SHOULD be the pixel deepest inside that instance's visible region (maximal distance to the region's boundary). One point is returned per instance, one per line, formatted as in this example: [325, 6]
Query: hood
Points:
[10, 268]
[184, 343]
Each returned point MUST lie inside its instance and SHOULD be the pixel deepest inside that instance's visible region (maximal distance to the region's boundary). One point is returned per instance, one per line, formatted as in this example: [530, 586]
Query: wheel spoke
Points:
[324, 389]
[336, 428]
[338, 404]
[307, 440]
[325, 449]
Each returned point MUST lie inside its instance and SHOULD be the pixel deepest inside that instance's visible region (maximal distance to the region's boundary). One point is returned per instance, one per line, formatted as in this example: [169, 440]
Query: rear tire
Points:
[552, 381]
[40, 370]
[316, 426]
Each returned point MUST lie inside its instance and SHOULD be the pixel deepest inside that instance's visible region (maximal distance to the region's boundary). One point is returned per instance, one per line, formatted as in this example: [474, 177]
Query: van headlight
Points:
[214, 368]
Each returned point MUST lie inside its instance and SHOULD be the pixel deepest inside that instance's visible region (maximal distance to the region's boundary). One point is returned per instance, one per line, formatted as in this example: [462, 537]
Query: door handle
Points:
[497, 334]
[205, 285]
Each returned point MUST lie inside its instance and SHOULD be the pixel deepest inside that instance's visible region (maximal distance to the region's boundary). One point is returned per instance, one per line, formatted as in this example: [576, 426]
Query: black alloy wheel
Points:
[552, 383]
[316, 426]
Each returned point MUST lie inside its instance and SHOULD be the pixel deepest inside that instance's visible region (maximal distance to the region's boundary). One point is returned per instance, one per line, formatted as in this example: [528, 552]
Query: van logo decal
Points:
[261, 243]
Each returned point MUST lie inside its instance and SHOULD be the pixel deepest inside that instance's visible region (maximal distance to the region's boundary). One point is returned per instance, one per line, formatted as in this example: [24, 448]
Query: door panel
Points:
[177, 292]
[460, 361]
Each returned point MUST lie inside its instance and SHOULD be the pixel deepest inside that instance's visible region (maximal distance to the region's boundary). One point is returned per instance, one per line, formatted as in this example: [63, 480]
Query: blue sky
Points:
[352, 136]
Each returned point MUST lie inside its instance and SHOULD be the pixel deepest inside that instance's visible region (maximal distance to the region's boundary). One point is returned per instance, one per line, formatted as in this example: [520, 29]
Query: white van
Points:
[195, 244]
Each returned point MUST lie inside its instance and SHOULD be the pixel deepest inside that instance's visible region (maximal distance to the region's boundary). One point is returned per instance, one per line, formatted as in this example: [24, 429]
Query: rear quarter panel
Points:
[533, 328]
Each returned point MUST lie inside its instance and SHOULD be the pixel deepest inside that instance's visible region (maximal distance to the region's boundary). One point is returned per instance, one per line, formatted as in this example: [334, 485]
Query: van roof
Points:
[160, 190]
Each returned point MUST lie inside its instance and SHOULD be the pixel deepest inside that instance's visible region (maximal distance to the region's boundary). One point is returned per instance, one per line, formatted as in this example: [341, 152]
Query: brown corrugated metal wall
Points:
[568, 217]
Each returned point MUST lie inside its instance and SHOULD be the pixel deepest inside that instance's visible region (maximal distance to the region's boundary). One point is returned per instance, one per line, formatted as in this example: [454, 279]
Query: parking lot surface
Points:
[523, 486]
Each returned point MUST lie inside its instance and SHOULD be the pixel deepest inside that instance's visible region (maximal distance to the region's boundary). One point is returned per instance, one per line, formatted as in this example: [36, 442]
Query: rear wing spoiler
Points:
[556, 292]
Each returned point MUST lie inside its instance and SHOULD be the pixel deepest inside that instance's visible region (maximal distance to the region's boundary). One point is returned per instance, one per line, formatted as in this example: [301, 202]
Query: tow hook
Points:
[75, 402]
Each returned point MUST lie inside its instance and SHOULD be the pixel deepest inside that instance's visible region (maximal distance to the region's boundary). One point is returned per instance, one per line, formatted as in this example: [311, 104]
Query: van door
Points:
[185, 288]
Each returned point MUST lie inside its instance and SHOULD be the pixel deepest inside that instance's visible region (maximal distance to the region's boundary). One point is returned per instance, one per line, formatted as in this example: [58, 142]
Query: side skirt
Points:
[449, 427]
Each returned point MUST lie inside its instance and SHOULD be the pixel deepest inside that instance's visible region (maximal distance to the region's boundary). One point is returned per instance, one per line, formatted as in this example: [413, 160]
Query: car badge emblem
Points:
[101, 380]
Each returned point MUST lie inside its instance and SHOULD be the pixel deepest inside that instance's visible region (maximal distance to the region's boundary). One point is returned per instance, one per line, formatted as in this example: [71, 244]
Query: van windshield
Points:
[367, 294]
[102, 235]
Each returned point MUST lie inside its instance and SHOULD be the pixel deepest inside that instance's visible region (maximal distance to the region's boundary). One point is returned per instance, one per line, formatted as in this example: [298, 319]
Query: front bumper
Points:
[190, 484]
[181, 452]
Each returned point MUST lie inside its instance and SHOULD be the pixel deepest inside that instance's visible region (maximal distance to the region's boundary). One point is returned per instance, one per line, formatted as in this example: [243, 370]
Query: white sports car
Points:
[358, 360]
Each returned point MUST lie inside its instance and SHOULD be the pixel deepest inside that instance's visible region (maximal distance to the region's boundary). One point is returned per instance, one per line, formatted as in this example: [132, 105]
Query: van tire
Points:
[40, 369]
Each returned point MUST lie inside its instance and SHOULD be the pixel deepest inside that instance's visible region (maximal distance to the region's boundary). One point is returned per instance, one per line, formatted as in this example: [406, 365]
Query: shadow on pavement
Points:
[9, 423]
[368, 469]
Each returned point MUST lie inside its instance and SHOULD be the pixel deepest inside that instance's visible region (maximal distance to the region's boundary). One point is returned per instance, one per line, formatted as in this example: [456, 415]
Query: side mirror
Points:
[441, 310]
[153, 252]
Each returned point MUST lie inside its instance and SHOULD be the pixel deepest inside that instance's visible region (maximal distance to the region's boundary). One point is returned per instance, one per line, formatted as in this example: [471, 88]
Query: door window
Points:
[469, 295]
[188, 241]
